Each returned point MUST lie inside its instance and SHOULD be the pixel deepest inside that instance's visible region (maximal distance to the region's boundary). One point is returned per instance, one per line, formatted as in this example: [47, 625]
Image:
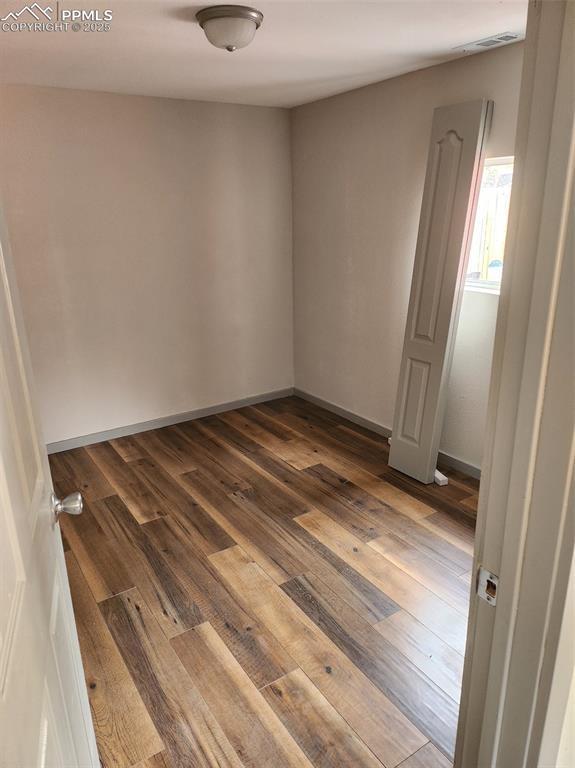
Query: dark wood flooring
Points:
[260, 589]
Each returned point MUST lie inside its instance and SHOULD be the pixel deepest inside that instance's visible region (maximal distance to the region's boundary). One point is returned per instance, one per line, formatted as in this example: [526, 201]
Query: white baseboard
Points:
[444, 460]
[164, 421]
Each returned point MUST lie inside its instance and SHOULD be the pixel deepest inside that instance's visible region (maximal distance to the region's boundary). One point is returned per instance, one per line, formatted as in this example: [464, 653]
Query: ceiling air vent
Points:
[488, 42]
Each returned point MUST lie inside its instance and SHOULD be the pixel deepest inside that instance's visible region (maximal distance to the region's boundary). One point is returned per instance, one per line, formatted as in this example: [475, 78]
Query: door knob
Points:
[71, 504]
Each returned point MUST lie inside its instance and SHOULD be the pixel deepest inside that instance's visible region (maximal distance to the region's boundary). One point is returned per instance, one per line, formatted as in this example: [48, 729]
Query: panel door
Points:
[451, 185]
[44, 711]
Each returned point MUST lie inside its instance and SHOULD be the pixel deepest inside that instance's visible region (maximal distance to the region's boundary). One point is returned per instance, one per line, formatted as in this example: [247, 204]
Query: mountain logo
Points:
[35, 10]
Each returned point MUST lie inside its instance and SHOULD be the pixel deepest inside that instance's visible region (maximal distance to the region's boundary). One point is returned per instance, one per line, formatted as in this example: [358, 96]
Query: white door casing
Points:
[526, 511]
[44, 711]
[453, 173]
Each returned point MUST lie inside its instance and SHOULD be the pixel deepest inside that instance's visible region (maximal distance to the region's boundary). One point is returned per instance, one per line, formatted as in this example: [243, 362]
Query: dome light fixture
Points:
[229, 26]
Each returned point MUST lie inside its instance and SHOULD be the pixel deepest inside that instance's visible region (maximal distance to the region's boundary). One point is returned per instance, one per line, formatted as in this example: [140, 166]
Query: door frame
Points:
[512, 648]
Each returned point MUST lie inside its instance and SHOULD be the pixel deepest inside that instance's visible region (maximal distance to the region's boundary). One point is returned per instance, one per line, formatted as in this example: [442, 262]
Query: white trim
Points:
[524, 532]
[482, 286]
[445, 460]
[164, 421]
[509, 160]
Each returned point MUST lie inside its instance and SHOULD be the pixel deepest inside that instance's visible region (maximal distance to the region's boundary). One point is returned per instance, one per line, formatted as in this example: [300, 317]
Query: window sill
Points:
[482, 286]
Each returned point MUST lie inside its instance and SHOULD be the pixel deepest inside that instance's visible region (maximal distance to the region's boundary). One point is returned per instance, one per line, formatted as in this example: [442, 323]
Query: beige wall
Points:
[152, 242]
[359, 163]
[153, 238]
[468, 387]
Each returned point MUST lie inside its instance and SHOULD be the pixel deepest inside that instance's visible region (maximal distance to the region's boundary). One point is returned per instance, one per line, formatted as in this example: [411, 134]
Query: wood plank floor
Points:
[261, 589]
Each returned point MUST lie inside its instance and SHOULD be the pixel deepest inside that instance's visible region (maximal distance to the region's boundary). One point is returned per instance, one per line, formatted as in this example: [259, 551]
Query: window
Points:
[485, 263]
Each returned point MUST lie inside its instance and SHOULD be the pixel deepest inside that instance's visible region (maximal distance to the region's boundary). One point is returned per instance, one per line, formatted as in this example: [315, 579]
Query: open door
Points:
[453, 172]
[44, 712]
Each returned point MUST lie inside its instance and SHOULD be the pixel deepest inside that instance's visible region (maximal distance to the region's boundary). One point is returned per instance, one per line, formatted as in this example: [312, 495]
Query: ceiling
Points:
[305, 50]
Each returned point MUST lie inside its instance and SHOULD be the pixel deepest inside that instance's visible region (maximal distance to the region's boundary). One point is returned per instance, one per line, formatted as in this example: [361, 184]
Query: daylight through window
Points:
[485, 264]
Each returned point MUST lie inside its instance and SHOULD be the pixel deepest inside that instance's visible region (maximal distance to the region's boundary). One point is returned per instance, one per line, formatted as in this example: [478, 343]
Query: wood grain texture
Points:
[385, 519]
[205, 534]
[455, 529]
[261, 431]
[124, 730]
[283, 549]
[252, 727]
[259, 653]
[142, 504]
[470, 503]
[279, 562]
[309, 486]
[168, 447]
[75, 471]
[424, 703]
[284, 443]
[386, 492]
[384, 729]
[128, 448]
[424, 569]
[279, 495]
[408, 593]
[104, 567]
[427, 757]
[320, 430]
[321, 732]
[160, 760]
[302, 453]
[190, 733]
[434, 658]
[232, 437]
[258, 588]
[164, 593]
[355, 444]
[212, 458]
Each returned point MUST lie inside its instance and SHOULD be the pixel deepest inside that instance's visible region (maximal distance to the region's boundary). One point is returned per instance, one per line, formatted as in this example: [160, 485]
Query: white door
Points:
[453, 170]
[44, 711]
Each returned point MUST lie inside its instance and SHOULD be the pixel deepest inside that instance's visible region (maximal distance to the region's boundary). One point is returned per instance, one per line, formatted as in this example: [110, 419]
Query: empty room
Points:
[287, 384]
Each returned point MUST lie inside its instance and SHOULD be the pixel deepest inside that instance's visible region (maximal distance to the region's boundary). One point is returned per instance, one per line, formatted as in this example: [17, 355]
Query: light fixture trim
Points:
[229, 11]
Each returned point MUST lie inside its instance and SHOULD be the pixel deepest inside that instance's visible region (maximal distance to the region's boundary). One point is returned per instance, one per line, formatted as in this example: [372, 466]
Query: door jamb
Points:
[492, 720]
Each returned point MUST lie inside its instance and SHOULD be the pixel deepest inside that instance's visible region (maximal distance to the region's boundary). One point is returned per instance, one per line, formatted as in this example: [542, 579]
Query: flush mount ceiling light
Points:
[229, 26]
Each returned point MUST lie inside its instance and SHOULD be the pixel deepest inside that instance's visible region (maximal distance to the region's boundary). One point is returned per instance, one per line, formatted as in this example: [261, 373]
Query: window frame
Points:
[487, 286]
